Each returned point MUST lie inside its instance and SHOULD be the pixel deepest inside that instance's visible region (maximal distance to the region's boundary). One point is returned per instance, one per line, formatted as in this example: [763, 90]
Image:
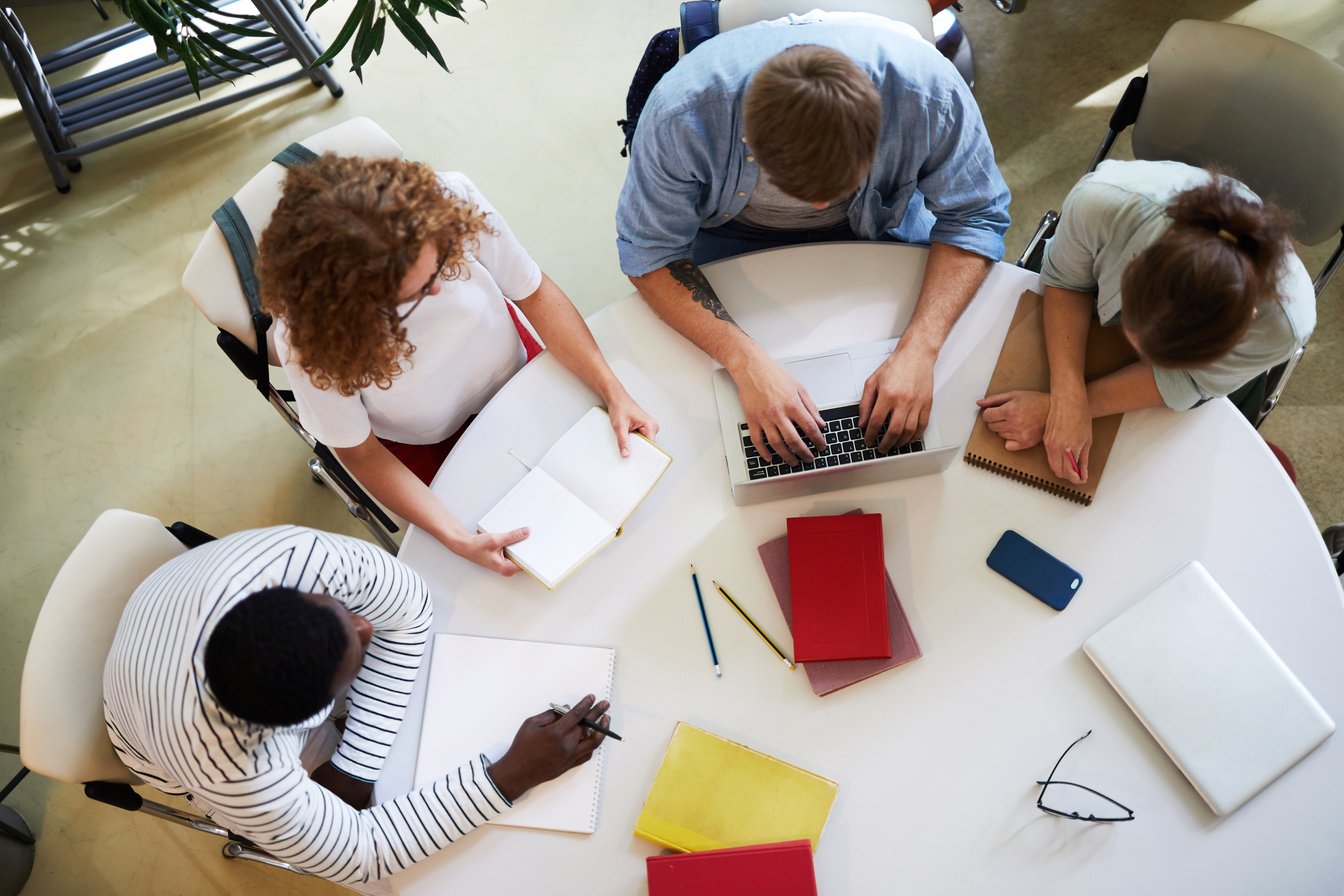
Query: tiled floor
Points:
[117, 395]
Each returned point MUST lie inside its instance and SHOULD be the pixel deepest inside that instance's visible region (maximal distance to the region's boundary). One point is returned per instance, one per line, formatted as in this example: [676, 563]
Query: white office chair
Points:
[1264, 109]
[62, 733]
[212, 280]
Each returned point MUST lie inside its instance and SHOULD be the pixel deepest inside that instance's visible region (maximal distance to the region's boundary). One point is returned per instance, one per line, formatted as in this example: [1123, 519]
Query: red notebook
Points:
[770, 869]
[838, 587]
[828, 677]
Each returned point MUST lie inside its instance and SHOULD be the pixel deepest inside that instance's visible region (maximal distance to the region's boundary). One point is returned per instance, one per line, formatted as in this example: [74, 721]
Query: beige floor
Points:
[118, 397]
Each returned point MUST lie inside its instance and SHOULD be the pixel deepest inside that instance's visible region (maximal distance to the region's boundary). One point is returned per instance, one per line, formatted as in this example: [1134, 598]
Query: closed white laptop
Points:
[1209, 688]
[834, 380]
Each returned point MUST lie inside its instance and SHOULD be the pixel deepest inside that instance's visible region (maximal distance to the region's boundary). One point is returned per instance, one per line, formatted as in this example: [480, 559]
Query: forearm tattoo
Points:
[689, 275]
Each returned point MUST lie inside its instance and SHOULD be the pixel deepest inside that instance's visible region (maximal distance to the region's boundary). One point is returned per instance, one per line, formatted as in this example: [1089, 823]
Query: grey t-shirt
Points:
[1115, 213]
[771, 207]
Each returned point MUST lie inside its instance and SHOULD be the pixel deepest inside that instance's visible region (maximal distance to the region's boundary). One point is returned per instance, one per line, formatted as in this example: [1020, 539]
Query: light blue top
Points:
[934, 179]
[1116, 212]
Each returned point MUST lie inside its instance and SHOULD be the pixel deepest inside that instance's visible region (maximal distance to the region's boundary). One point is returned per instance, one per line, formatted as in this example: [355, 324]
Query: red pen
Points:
[1073, 461]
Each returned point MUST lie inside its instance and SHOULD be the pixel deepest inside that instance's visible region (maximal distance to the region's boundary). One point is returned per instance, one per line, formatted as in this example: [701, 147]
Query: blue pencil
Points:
[713, 654]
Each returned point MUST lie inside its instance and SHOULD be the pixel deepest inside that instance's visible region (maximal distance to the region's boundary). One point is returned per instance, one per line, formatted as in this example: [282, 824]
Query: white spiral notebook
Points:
[1203, 681]
[480, 690]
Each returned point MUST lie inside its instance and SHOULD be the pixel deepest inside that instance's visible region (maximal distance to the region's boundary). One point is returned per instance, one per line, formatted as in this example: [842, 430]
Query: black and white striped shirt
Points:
[168, 729]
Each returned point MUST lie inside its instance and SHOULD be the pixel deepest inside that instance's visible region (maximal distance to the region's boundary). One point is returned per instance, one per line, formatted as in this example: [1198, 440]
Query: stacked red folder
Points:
[828, 677]
[770, 869]
[838, 587]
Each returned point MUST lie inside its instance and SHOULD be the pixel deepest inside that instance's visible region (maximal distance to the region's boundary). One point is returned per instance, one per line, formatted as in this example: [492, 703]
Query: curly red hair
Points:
[331, 262]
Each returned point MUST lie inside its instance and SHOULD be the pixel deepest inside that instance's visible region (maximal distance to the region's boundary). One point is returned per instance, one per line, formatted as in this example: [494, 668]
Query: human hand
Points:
[1017, 417]
[777, 408]
[352, 791]
[546, 746]
[627, 417]
[1068, 428]
[487, 549]
[898, 395]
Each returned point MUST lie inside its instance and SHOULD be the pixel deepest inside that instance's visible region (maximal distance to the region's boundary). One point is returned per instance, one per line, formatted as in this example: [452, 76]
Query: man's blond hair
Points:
[812, 118]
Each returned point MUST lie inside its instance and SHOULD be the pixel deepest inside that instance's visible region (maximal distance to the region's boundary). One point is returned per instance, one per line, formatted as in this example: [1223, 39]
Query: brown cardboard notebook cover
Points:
[1023, 364]
[832, 675]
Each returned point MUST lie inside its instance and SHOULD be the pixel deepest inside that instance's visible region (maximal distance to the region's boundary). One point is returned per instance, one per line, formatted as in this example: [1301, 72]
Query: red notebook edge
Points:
[837, 570]
[766, 869]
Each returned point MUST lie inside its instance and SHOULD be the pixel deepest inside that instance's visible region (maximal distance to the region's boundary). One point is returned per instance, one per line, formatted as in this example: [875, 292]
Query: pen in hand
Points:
[562, 708]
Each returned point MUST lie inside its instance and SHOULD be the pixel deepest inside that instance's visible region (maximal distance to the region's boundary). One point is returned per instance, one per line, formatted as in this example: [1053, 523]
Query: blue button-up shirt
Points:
[934, 178]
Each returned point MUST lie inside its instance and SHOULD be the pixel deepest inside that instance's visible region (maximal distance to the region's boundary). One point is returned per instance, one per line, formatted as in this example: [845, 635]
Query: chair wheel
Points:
[63, 189]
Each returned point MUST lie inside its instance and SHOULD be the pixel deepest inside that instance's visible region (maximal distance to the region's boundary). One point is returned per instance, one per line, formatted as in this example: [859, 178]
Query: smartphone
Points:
[1033, 570]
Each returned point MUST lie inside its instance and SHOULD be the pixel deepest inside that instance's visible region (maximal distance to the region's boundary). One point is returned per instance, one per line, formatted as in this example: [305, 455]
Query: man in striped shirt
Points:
[229, 657]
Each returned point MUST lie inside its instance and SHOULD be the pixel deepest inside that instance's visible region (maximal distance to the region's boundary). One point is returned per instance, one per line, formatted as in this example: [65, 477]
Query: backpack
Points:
[699, 22]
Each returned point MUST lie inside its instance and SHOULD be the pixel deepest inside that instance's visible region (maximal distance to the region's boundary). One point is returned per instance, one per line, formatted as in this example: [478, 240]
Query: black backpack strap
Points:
[699, 22]
[659, 57]
[295, 154]
[243, 249]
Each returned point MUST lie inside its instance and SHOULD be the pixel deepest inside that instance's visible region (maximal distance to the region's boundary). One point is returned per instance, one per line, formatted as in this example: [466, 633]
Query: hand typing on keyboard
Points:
[783, 418]
[844, 442]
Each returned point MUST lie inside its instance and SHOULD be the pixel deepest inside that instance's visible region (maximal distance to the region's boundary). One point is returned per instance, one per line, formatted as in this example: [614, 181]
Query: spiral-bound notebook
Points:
[481, 689]
[1023, 364]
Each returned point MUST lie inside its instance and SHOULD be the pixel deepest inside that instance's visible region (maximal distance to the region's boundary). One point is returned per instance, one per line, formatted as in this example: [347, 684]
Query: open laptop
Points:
[835, 381]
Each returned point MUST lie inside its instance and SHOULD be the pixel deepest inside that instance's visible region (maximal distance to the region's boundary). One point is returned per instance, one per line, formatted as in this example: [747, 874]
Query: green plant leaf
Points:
[447, 7]
[224, 52]
[192, 65]
[362, 48]
[342, 38]
[414, 32]
[379, 29]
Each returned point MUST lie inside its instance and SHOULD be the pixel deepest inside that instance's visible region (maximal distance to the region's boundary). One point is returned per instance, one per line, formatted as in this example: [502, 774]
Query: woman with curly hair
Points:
[391, 287]
[1199, 273]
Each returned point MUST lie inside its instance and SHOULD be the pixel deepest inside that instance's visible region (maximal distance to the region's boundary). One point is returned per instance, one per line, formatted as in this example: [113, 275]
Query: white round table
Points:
[937, 759]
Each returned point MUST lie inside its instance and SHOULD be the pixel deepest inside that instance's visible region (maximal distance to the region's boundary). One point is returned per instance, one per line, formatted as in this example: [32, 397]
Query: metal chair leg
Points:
[235, 850]
[357, 510]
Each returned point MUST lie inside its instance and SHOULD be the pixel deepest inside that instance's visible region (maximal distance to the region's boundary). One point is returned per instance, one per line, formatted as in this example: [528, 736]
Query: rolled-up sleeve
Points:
[961, 183]
[658, 213]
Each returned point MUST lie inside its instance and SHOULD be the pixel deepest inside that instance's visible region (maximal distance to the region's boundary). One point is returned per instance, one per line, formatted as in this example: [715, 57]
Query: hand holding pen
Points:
[546, 746]
[561, 709]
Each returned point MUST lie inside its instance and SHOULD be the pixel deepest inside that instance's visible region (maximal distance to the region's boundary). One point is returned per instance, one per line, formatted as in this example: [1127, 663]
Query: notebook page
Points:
[479, 691]
[564, 531]
[587, 461]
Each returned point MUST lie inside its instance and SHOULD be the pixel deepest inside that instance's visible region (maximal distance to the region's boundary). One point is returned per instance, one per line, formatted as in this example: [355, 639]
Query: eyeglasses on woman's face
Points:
[440, 273]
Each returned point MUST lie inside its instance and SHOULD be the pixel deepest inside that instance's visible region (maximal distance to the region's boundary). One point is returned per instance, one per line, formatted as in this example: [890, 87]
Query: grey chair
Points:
[1264, 109]
[222, 284]
[57, 112]
[62, 734]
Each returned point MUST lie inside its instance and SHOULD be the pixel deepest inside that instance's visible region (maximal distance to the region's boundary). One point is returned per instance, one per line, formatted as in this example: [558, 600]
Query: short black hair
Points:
[273, 657]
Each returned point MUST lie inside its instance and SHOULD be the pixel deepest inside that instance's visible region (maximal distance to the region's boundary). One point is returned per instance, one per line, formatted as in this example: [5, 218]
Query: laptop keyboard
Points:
[843, 438]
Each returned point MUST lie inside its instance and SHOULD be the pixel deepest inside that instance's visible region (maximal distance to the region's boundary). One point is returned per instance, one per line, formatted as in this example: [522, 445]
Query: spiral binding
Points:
[1054, 488]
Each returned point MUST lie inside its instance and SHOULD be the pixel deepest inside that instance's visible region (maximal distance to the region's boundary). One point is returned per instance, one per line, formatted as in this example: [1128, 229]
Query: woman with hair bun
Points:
[1197, 270]
[391, 288]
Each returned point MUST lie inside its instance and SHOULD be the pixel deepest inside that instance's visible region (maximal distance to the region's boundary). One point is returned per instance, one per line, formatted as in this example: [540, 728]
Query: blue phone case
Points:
[1034, 571]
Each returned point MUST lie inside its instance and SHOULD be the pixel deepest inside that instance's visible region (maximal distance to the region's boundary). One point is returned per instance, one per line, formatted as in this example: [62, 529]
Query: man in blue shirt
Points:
[840, 126]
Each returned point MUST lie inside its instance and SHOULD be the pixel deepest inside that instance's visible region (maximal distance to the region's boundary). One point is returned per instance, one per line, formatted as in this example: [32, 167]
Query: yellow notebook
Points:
[711, 793]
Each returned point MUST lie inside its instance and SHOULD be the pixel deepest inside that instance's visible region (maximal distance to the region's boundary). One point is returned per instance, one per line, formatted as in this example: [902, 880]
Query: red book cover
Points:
[770, 869]
[838, 587]
[828, 677]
